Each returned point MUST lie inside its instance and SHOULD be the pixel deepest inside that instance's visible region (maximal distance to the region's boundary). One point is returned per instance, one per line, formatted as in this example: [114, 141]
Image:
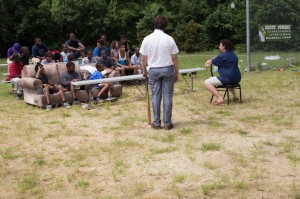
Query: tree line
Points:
[196, 25]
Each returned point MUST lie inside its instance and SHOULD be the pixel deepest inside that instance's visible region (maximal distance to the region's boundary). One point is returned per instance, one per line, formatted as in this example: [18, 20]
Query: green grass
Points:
[111, 152]
[29, 182]
[210, 147]
[8, 154]
[163, 150]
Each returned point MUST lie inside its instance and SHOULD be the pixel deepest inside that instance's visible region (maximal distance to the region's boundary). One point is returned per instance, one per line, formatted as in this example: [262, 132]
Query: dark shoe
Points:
[19, 96]
[169, 127]
[95, 100]
[155, 127]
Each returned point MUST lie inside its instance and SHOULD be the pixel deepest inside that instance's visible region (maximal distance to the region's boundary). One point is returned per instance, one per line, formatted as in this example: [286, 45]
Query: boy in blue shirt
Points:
[99, 74]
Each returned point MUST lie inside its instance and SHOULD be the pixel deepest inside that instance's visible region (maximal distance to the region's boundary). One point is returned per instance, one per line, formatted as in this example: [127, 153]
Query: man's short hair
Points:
[227, 44]
[70, 64]
[99, 65]
[161, 22]
[71, 57]
[101, 41]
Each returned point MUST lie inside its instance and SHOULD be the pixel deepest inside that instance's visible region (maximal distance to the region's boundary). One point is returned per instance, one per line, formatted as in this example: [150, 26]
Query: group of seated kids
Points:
[106, 58]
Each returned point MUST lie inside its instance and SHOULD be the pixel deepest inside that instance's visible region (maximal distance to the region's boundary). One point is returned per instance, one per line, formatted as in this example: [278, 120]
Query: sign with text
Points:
[274, 32]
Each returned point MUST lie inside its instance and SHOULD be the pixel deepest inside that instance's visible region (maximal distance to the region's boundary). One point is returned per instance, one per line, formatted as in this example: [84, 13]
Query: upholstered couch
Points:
[33, 88]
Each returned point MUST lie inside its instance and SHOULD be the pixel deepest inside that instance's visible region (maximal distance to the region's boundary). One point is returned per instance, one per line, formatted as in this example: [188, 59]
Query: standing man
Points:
[159, 50]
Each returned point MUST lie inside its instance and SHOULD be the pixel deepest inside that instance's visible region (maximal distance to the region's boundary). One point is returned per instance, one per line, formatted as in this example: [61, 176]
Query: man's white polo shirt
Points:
[159, 47]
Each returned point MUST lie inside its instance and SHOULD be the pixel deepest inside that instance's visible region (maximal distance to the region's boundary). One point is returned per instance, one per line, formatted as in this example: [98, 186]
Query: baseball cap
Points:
[17, 47]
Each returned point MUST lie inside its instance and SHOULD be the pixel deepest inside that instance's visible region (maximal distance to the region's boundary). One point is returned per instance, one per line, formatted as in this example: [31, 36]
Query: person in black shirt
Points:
[75, 45]
[49, 89]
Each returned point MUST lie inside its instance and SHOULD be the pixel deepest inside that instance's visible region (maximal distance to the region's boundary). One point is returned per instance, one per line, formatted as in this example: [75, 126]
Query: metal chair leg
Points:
[241, 99]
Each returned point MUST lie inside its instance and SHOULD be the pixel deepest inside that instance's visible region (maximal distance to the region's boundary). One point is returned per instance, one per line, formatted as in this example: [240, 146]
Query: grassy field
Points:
[248, 150]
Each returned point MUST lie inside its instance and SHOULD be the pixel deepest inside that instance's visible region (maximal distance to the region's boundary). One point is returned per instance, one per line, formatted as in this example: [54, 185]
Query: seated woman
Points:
[228, 69]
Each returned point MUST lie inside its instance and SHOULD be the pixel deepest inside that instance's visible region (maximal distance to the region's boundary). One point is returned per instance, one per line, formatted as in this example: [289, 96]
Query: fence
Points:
[274, 34]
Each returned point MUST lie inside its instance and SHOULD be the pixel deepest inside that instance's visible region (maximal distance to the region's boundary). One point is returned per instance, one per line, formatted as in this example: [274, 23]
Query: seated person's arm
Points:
[208, 62]
[65, 81]
[96, 54]
[107, 71]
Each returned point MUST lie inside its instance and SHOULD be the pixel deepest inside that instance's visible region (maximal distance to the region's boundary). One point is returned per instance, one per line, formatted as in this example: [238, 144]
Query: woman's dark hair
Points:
[227, 44]
[161, 22]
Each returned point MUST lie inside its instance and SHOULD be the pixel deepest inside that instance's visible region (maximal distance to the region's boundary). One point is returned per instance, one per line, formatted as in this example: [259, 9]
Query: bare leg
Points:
[213, 90]
[72, 89]
[103, 89]
[61, 92]
[232, 90]
[123, 71]
[135, 70]
[47, 94]
[109, 90]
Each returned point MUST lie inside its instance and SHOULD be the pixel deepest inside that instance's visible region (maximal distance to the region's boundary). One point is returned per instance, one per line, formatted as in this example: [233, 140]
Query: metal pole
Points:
[248, 33]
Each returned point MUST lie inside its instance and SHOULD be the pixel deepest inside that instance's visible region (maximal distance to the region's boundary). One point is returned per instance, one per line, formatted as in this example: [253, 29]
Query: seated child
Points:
[48, 59]
[65, 53]
[68, 77]
[15, 68]
[72, 58]
[89, 58]
[49, 89]
[136, 59]
[57, 57]
[24, 55]
[99, 74]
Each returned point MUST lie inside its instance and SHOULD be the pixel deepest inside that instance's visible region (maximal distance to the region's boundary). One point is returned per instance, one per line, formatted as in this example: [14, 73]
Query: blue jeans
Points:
[161, 81]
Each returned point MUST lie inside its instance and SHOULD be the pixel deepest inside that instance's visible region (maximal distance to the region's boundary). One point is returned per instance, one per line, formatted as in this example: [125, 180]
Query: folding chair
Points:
[226, 88]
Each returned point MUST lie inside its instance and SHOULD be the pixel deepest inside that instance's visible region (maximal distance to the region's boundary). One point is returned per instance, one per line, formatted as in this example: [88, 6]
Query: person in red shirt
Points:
[15, 68]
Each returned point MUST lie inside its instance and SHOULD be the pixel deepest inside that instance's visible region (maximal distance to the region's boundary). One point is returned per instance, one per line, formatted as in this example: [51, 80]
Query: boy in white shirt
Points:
[48, 59]
[89, 59]
[65, 53]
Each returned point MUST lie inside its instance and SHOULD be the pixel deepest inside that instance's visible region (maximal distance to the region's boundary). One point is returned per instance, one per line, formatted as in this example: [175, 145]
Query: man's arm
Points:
[81, 45]
[64, 80]
[176, 67]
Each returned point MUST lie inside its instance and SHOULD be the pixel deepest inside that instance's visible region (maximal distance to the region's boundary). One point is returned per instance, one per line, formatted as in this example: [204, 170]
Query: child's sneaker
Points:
[111, 99]
[101, 99]
[66, 105]
[48, 107]
[95, 100]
